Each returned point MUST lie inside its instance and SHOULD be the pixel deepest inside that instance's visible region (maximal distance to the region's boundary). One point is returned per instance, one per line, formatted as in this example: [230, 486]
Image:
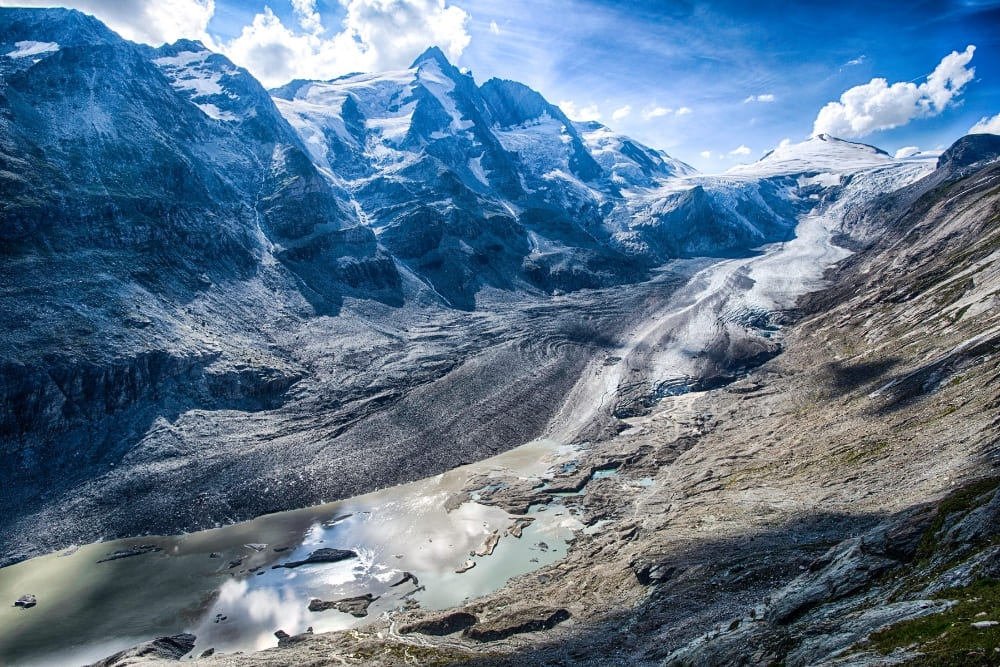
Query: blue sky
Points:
[712, 83]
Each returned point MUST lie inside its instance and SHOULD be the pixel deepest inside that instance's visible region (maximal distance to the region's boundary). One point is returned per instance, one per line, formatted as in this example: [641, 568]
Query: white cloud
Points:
[784, 142]
[741, 150]
[855, 61]
[656, 112]
[706, 154]
[986, 125]
[766, 97]
[878, 106]
[906, 151]
[494, 28]
[590, 112]
[376, 35]
[148, 21]
[621, 113]
[309, 18]
[683, 111]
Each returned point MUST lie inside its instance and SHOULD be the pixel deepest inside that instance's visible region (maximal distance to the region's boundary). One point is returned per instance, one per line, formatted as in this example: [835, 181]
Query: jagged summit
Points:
[66, 27]
[183, 46]
[829, 138]
[432, 54]
[512, 103]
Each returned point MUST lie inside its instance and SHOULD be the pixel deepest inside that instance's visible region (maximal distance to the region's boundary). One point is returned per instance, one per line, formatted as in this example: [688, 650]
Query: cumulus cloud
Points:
[784, 142]
[618, 114]
[766, 97]
[309, 18]
[375, 35]
[494, 28]
[683, 111]
[855, 61]
[573, 112]
[741, 150]
[656, 112]
[906, 151]
[879, 106]
[148, 21]
[706, 154]
[986, 125]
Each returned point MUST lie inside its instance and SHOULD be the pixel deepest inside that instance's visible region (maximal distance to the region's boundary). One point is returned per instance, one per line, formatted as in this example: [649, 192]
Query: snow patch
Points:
[213, 111]
[28, 48]
[825, 180]
[476, 167]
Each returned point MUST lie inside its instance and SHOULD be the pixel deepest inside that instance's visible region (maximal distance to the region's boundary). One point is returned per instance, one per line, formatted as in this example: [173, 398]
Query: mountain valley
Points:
[767, 399]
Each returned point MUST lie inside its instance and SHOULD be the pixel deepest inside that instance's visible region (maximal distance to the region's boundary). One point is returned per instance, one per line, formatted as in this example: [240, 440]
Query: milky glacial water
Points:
[88, 610]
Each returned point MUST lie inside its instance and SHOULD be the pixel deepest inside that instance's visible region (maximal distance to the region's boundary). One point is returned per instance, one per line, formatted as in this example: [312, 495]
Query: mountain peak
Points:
[66, 27]
[830, 139]
[432, 54]
[193, 45]
[821, 152]
[970, 150]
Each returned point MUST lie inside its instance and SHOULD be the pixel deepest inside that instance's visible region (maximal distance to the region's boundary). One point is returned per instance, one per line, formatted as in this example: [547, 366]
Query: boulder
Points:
[26, 601]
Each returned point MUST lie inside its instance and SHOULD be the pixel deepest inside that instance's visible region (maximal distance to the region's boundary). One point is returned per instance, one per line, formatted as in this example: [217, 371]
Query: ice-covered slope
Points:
[628, 162]
[759, 203]
[822, 153]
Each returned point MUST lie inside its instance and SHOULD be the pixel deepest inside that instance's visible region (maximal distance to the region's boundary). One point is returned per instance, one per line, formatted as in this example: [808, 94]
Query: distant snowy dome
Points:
[822, 153]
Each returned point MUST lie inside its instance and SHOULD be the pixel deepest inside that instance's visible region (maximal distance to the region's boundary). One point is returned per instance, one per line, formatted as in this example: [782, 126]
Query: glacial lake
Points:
[220, 586]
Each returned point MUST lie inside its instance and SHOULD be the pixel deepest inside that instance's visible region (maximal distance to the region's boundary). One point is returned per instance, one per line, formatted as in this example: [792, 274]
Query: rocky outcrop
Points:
[26, 601]
[355, 606]
[174, 647]
[324, 555]
[533, 619]
[131, 552]
[445, 624]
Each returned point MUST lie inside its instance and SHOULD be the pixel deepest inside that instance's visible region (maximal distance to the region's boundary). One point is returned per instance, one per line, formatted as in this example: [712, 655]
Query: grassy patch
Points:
[949, 638]
[852, 455]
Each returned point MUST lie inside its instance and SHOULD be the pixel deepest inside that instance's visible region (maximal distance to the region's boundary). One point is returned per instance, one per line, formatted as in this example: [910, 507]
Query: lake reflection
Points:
[220, 584]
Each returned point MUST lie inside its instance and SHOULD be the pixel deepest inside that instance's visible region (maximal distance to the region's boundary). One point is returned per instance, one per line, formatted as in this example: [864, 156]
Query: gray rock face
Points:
[174, 647]
[355, 606]
[534, 619]
[444, 624]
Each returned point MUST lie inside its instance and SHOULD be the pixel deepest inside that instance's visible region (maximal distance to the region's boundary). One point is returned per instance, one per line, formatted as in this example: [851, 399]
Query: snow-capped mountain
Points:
[822, 153]
[467, 186]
